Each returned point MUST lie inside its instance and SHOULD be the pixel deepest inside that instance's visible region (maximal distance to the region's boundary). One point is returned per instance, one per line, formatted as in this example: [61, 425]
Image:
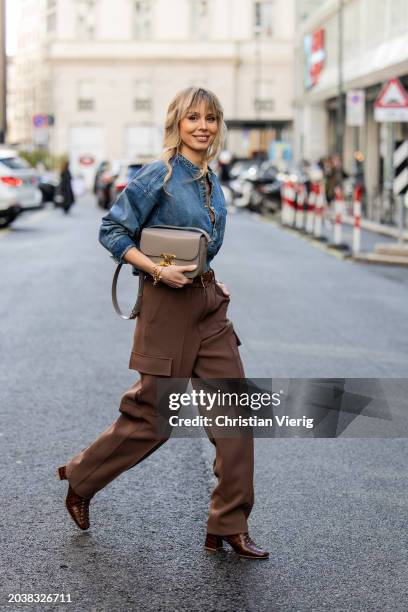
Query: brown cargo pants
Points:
[180, 333]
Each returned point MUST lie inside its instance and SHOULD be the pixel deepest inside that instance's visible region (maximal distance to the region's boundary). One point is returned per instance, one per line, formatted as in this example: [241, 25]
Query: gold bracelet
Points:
[157, 274]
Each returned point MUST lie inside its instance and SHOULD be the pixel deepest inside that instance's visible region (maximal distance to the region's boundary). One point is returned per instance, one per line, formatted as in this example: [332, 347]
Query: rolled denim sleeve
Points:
[121, 225]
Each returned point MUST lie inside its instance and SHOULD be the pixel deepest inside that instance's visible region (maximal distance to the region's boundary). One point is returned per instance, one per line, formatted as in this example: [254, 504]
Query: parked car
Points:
[48, 183]
[101, 168]
[125, 174]
[19, 190]
[104, 178]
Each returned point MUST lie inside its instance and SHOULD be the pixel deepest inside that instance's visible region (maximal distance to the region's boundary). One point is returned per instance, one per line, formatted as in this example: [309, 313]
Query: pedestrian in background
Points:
[182, 330]
[330, 179]
[64, 197]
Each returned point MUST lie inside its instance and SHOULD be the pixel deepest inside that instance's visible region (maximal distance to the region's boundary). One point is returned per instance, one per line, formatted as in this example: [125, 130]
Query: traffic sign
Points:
[355, 108]
[392, 102]
[86, 160]
[40, 120]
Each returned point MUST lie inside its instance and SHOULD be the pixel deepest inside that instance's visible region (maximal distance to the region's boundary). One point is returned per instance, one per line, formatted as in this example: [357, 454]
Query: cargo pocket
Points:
[150, 364]
[152, 301]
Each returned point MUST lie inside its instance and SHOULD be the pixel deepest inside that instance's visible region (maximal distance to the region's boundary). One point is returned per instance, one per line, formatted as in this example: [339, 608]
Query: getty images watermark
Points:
[282, 408]
[218, 401]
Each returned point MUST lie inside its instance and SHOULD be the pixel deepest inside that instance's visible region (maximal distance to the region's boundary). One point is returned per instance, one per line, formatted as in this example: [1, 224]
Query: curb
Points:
[396, 250]
[379, 258]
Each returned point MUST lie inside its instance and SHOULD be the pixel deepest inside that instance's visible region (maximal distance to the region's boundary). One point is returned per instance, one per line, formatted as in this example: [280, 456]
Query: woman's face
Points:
[198, 128]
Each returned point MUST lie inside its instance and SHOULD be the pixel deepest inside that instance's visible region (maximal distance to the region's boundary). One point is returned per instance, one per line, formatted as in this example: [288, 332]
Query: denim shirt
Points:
[144, 202]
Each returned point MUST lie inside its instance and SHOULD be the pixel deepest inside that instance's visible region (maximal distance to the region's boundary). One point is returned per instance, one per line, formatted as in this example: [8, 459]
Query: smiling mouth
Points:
[202, 138]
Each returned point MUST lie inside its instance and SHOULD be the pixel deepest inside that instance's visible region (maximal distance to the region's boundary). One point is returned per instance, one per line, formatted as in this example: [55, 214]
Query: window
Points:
[15, 163]
[142, 19]
[142, 100]
[263, 26]
[86, 18]
[200, 18]
[86, 95]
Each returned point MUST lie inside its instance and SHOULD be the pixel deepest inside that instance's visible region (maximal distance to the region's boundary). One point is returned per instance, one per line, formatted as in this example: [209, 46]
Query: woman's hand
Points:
[224, 288]
[173, 275]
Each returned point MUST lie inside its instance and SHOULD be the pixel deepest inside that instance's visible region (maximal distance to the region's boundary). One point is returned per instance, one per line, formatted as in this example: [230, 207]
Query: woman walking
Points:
[182, 330]
[65, 195]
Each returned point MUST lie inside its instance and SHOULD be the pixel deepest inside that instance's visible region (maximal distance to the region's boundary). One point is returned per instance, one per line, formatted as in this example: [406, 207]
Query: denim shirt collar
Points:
[179, 158]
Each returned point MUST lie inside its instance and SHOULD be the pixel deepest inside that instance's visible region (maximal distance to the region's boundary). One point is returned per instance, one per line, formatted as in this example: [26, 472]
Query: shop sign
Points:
[314, 55]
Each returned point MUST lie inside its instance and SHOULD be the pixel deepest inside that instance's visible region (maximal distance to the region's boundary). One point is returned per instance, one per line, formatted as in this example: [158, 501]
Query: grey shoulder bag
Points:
[167, 245]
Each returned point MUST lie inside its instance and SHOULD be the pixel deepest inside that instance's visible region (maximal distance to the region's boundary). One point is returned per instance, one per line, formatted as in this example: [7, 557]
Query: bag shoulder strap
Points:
[136, 307]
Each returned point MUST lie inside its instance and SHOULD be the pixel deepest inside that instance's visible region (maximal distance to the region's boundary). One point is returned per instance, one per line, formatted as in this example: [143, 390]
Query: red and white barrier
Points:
[319, 211]
[284, 212]
[338, 212]
[300, 205]
[357, 219]
[290, 202]
[291, 195]
[311, 204]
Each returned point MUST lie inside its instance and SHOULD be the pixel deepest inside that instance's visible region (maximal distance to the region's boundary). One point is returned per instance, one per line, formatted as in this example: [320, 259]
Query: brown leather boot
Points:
[77, 506]
[240, 542]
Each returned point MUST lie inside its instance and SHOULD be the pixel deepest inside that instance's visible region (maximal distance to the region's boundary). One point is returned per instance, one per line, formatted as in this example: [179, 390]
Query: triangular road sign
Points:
[392, 95]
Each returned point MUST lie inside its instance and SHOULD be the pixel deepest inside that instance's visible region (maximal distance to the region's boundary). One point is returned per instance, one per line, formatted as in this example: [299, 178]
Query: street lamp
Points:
[340, 101]
[258, 77]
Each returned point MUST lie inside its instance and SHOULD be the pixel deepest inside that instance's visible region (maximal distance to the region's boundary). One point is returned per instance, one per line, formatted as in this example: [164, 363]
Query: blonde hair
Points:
[184, 101]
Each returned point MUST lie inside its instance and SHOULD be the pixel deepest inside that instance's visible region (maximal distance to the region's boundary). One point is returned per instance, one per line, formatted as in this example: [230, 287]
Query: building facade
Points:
[105, 71]
[373, 48]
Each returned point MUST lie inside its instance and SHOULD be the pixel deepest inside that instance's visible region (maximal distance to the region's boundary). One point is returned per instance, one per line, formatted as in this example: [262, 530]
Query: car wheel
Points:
[6, 221]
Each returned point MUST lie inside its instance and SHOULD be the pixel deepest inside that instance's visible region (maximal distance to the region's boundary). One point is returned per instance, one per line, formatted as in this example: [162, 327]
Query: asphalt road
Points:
[333, 512]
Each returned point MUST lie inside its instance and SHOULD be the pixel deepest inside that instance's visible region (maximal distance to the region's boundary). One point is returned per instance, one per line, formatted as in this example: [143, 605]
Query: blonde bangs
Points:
[203, 96]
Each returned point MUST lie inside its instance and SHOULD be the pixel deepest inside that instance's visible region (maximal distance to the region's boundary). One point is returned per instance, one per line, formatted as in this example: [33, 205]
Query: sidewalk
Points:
[372, 226]
[379, 242]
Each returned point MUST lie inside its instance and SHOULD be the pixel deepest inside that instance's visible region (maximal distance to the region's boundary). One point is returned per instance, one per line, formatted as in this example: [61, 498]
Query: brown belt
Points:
[204, 279]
